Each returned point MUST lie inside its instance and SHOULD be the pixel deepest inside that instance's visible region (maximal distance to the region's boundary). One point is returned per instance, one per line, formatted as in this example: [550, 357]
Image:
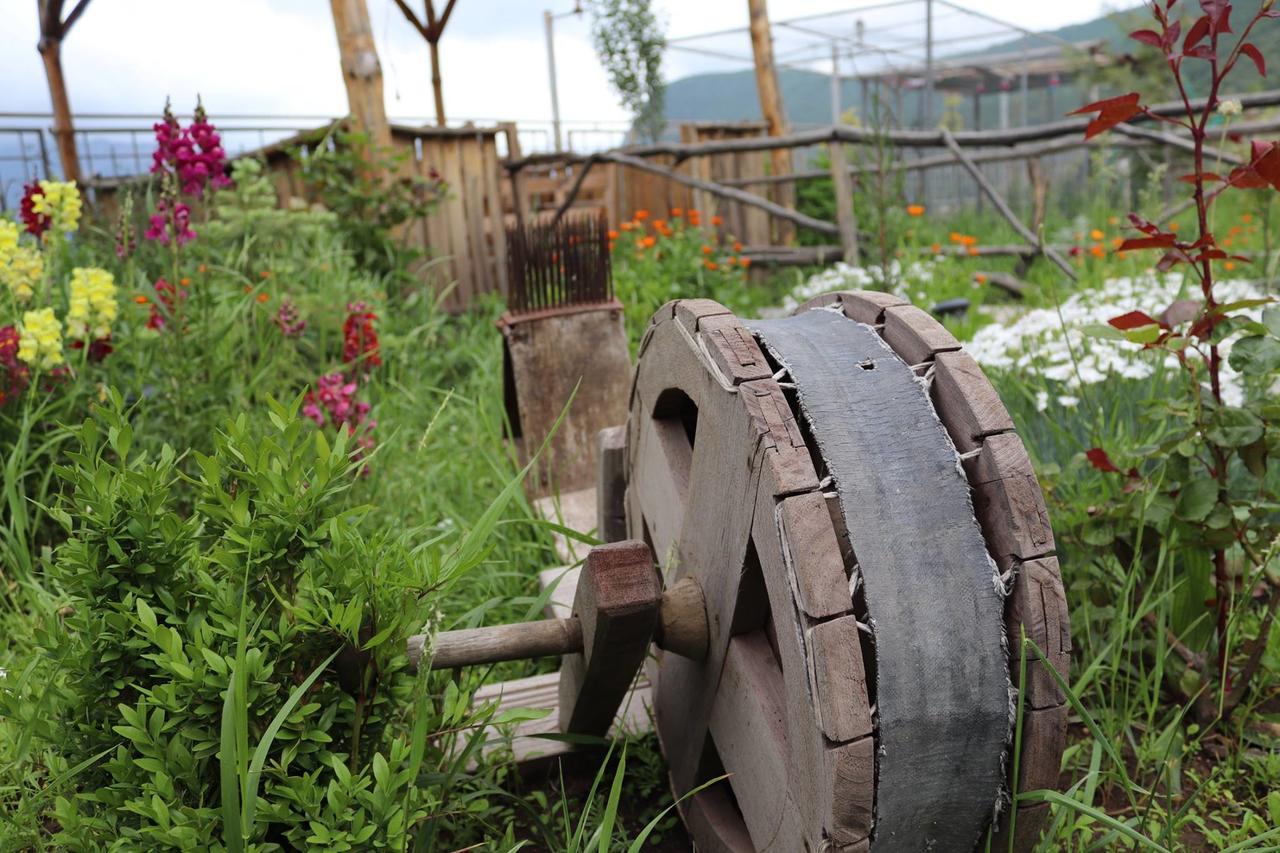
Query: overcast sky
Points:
[280, 56]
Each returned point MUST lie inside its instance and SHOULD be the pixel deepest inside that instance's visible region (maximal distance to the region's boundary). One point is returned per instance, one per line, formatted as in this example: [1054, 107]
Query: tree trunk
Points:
[361, 71]
[435, 82]
[63, 131]
[771, 104]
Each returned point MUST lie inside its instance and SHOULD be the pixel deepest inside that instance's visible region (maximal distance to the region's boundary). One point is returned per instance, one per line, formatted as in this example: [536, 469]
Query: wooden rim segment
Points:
[1010, 509]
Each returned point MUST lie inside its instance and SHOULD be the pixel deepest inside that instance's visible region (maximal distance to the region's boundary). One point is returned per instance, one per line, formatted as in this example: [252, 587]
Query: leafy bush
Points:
[265, 618]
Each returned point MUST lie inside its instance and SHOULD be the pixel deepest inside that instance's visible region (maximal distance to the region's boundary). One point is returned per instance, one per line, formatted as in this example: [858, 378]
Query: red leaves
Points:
[1198, 31]
[1133, 320]
[1207, 177]
[1263, 169]
[1159, 241]
[1111, 111]
[1256, 55]
[1099, 459]
[1150, 37]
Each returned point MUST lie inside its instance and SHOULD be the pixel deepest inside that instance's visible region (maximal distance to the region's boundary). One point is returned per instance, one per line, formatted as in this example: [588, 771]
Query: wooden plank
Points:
[1044, 737]
[914, 335]
[611, 484]
[839, 679]
[733, 349]
[966, 403]
[820, 587]
[1008, 502]
[541, 692]
[748, 726]
[868, 306]
[617, 604]
[1032, 819]
[495, 224]
[575, 510]
[1038, 605]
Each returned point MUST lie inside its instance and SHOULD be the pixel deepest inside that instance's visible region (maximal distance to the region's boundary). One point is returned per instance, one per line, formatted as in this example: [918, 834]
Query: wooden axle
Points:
[681, 628]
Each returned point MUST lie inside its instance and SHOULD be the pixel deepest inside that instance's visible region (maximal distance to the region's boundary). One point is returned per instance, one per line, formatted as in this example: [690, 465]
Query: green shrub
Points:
[268, 581]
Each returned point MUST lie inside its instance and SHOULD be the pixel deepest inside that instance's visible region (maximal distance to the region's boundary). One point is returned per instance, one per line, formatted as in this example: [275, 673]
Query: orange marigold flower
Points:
[1117, 242]
[737, 247]
[1246, 218]
[642, 215]
[1173, 226]
[1113, 220]
[1097, 251]
[184, 281]
[1096, 234]
[202, 268]
[712, 265]
[265, 273]
[1229, 265]
[141, 299]
[973, 251]
[980, 278]
[648, 242]
[626, 226]
[746, 262]
[955, 237]
[677, 211]
[716, 220]
[915, 210]
[1227, 241]
[262, 297]
[730, 261]
[706, 250]
[936, 248]
[693, 211]
[968, 240]
[613, 235]
[660, 224]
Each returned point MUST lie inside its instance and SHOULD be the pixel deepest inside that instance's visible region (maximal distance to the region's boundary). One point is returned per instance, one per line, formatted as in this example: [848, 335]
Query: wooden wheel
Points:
[857, 685]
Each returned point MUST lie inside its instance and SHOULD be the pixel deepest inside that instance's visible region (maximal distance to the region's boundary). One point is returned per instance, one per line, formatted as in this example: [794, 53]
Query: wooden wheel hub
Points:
[865, 530]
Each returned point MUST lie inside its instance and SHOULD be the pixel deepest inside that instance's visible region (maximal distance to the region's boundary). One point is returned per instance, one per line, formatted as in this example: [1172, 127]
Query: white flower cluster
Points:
[842, 276]
[1037, 341]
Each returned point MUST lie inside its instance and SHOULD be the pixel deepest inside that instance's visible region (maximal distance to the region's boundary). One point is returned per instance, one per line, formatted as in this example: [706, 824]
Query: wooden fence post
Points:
[361, 71]
[846, 218]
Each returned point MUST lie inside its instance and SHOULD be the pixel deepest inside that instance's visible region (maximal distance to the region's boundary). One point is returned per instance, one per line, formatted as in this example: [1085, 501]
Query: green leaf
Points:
[146, 615]
[1142, 334]
[1254, 457]
[1232, 427]
[1255, 355]
[1102, 330]
[1273, 797]
[1271, 319]
[1197, 499]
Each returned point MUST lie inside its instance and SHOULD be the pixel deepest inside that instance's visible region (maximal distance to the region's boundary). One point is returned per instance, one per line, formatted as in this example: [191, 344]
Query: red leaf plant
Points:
[1210, 39]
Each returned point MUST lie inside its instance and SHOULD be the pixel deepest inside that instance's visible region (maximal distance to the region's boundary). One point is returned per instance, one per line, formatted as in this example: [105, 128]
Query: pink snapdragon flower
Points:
[165, 227]
[333, 400]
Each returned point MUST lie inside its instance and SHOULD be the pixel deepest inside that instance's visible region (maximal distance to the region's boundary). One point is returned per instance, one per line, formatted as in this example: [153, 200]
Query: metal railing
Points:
[120, 144]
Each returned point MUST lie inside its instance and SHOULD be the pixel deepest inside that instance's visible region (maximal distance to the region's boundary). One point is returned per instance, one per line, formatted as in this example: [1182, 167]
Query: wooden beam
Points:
[749, 199]
[863, 136]
[50, 47]
[846, 219]
[434, 29]
[770, 94]
[361, 71]
[1003, 207]
[1178, 142]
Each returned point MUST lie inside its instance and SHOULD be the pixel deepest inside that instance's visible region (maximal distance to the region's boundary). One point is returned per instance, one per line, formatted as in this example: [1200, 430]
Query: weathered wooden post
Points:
[361, 72]
[53, 29]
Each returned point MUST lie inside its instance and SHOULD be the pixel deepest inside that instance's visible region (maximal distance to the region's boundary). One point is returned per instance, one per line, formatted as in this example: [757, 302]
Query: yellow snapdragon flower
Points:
[22, 272]
[92, 303]
[40, 338]
[8, 240]
[60, 201]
